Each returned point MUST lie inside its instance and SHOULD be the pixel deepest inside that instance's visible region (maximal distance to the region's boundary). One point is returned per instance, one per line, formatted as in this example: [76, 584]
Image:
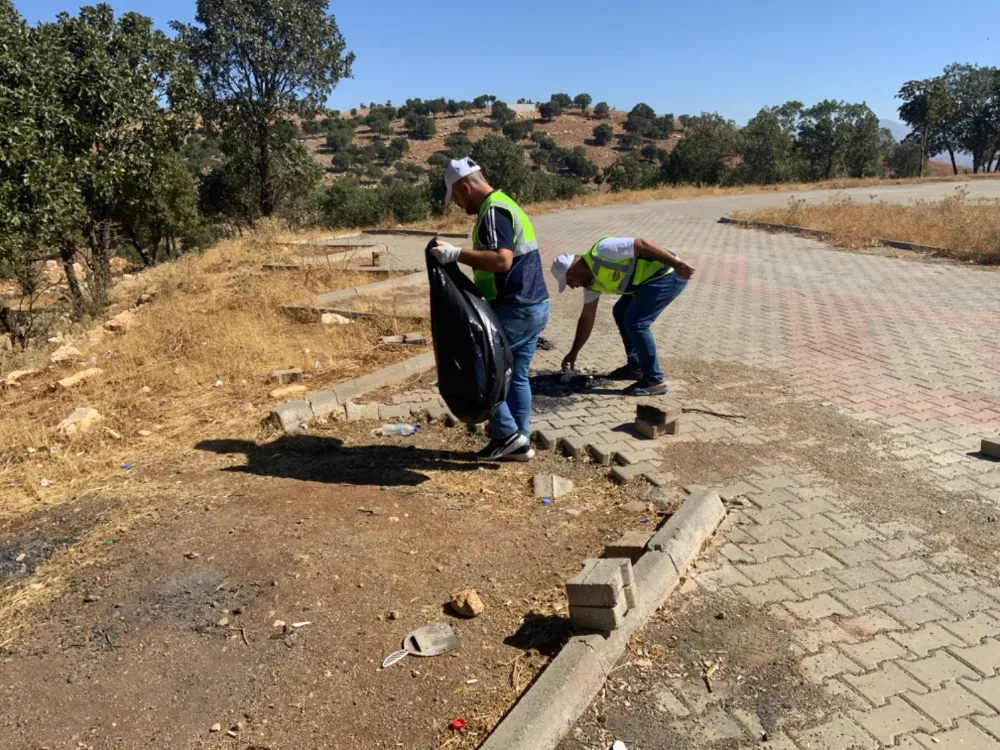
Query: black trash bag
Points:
[474, 362]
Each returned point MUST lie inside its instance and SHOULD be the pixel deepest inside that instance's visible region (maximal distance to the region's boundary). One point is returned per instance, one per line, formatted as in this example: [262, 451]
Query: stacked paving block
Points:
[630, 546]
[656, 418]
[601, 594]
[991, 448]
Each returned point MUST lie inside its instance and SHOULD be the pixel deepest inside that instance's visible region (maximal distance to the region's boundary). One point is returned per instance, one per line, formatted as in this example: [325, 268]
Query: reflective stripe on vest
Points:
[524, 238]
[615, 276]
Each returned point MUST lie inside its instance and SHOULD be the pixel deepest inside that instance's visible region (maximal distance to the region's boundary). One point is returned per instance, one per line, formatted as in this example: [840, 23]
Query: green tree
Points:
[466, 125]
[602, 111]
[976, 95]
[629, 173]
[705, 155]
[769, 146]
[577, 164]
[928, 108]
[905, 159]
[868, 145]
[563, 101]
[639, 118]
[501, 115]
[503, 165]
[632, 141]
[550, 110]
[583, 101]
[421, 127]
[823, 137]
[603, 134]
[518, 130]
[378, 122]
[261, 61]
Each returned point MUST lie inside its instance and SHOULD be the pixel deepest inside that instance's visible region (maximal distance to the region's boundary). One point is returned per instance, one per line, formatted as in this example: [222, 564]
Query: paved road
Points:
[878, 618]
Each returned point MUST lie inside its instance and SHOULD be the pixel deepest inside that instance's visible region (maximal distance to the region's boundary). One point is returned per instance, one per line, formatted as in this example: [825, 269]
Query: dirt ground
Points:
[154, 620]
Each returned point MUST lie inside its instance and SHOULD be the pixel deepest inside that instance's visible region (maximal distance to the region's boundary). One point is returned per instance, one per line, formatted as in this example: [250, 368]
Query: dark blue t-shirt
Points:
[524, 283]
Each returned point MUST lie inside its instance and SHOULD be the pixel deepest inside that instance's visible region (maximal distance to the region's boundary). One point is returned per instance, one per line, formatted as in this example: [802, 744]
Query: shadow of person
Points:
[312, 458]
[546, 634]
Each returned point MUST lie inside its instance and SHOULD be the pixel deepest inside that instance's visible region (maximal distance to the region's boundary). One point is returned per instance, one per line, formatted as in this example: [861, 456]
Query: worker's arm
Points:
[584, 327]
[494, 261]
[652, 251]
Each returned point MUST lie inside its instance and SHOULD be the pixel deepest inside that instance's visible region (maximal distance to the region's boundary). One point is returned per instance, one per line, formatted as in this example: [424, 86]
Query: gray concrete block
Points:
[394, 412]
[390, 340]
[324, 403]
[599, 584]
[625, 474]
[603, 619]
[573, 446]
[601, 454]
[682, 536]
[550, 485]
[284, 377]
[630, 546]
[990, 448]
[415, 339]
[658, 412]
[649, 429]
[356, 412]
[290, 415]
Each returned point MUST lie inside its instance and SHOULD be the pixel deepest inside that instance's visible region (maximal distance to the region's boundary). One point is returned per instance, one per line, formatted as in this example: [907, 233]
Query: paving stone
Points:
[871, 654]
[807, 525]
[722, 577]
[966, 603]
[767, 550]
[809, 586]
[869, 624]
[767, 571]
[950, 703]
[974, 629]
[990, 724]
[667, 703]
[573, 446]
[861, 575]
[988, 690]
[625, 474]
[631, 545]
[857, 554]
[826, 664]
[912, 588]
[938, 668]
[601, 453]
[853, 534]
[770, 531]
[918, 612]
[966, 736]
[839, 733]
[862, 599]
[882, 684]
[394, 412]
[812, 563]
[819, 635]
[766, 593]
[356, 412]
[930, 637]
[984, 658]
[896, 718]
[812, 541]
[817, 608]
[901, 547]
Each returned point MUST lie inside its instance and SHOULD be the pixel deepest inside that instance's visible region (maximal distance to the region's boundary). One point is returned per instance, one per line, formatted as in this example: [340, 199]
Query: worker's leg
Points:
[648, 302]
[522, 324]
[619, 312]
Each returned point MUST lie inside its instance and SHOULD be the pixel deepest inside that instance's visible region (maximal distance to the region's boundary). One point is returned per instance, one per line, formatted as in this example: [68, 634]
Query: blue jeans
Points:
[635, 313]
[522, 325]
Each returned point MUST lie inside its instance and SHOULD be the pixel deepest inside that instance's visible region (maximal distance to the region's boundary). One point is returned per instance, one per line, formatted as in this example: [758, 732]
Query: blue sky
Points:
[730, 56]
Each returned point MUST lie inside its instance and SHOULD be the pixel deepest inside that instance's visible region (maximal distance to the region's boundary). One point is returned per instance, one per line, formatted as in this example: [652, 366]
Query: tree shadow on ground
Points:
[311, 458]
[546, 634]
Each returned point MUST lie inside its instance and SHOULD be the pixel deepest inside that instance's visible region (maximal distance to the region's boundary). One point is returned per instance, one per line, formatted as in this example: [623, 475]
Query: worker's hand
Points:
[684, 270]
[445, 252]
[569, 362]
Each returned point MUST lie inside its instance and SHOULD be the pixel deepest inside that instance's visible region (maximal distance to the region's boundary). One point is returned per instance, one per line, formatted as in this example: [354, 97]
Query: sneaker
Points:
[642, 389]
[624, 373]
[500, 447]
[525, 453]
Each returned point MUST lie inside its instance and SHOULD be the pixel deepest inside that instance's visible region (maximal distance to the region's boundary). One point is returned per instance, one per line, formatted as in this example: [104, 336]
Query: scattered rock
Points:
[65, 353]
[415, 339]
[288, 390]
[72, 679]
[118, 265]
[394, 615]
[145, 298]
[91, 598]
[550, 485]
[113, 433]
[121, 322]
[95, 336]
[334, 319]
[215, 727]
[81, 420]
[636, 506]
[144, 433]
[279, 624]
[13, 377]
[192, 555]
[77, 378]
[467, 603]
[145, 389]
[285, 377]
[575, 512]
[223, 622]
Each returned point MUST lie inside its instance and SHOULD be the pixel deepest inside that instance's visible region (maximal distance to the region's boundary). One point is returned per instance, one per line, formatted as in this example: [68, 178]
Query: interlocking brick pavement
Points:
[898, 628]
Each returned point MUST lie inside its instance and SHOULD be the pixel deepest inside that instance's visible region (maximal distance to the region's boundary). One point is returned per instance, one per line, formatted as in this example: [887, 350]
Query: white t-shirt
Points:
[611, 248]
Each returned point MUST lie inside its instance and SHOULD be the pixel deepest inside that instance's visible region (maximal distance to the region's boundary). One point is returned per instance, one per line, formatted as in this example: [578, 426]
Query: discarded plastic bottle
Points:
[399, 429]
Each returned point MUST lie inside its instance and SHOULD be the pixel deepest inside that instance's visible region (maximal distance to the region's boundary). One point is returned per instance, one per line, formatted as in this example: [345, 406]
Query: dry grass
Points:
[215, 317]
[964, 229]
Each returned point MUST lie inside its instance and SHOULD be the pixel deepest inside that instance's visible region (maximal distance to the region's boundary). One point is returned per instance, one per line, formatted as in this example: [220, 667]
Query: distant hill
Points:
[899, 130]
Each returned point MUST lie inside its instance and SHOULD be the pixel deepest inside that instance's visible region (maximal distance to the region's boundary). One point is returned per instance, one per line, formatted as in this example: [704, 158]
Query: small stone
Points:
[285, 377]
[192, 555]
[121, 322]
[20, 558]
[334, 319]
[215, 727]
[278, 624]
[65, 353]
[91, 598]
[467, 603]
[145, 389]
[223, 622]
[288, 390]
[636, 506]
[72, 679]
[113, 433]
[13, 377]
[144, 433]
[394, 615]
[77, 378]
[550, 485]
[81, 420]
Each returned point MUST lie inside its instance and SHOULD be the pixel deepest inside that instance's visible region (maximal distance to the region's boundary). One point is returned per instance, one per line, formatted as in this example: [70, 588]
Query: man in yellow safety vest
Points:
[508, 273]
[648, 278]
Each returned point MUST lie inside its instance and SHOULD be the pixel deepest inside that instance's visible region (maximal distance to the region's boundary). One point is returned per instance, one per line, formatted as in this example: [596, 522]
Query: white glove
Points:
[445, 252]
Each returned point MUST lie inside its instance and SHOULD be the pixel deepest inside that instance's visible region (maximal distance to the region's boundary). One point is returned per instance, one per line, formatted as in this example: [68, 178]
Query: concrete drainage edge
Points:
[335, 401]
[415, 233]
[547, 711]
[325, 300]
[826, 236]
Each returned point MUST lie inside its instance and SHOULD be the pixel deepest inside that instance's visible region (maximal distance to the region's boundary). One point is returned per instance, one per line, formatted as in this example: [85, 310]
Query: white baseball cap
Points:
[456, 170]
[559, 268]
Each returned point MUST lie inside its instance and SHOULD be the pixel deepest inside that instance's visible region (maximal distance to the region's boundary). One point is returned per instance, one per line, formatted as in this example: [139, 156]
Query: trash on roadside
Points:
[217, 384]
[457, 725]
[399, 429]
[301, 624]
[546, 501]
[430, 640]
[126, 465]
[644, 520]
[619, 745]
[46, 483]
